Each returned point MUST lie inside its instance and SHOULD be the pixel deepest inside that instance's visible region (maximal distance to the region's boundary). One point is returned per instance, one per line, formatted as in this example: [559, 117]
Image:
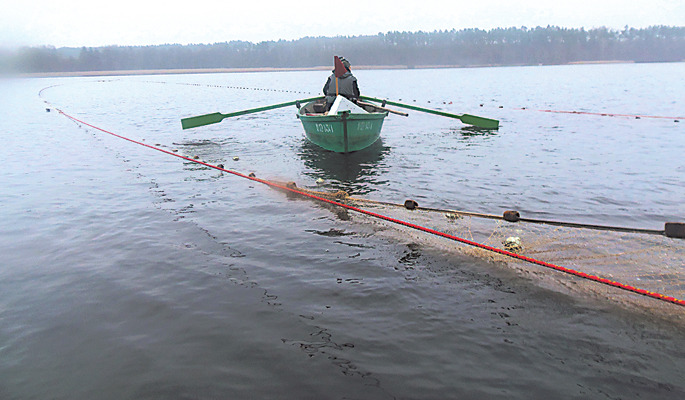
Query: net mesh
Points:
[646, 261]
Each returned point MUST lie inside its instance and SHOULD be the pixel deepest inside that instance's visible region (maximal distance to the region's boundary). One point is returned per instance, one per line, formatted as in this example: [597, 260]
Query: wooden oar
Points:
[468, 119]
[361, 103]
[201, 120]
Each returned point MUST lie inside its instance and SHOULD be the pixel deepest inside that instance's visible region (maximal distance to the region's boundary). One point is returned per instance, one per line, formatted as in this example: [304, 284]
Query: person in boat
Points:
[347, 85]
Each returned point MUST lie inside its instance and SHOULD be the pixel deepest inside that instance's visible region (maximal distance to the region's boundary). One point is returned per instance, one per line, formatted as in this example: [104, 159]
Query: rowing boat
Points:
[345, 128]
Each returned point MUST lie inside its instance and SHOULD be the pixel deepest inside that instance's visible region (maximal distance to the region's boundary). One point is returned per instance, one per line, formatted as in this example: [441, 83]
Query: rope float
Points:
[236, 87]
[293, 189]
[671, 229]
[635, 116]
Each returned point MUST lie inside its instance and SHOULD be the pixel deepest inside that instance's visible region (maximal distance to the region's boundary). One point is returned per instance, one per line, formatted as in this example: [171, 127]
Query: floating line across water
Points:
[513, 216]
[293, 189]
[601, 114]
[636, 116]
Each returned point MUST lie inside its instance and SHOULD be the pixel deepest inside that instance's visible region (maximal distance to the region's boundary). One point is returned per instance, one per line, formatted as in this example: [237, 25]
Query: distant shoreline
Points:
[272, 69]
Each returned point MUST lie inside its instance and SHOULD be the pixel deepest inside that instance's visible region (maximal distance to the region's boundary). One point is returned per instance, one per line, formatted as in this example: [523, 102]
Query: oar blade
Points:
[480, 122]
[202, 120]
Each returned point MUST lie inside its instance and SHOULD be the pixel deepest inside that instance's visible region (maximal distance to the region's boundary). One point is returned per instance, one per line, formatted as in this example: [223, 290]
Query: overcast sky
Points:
[125, 22]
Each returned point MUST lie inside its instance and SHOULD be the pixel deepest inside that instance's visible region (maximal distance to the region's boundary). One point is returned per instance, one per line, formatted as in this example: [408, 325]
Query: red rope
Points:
[407, 224]
[604, 114]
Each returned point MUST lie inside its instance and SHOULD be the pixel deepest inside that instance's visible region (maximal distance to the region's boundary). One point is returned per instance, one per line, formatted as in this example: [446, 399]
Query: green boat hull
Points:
[344, 132]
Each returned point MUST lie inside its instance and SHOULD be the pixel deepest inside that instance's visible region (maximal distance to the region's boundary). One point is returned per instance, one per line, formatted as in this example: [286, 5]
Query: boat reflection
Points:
[357, 173]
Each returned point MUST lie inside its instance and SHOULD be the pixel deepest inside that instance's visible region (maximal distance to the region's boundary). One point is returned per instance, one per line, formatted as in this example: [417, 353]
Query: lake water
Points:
[130, 274]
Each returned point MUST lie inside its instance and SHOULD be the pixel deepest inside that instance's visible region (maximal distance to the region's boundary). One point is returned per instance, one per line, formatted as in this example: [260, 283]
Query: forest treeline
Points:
[502, 46]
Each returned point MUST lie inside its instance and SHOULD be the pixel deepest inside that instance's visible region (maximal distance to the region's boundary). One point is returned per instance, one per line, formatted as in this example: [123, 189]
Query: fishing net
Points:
[646, 261]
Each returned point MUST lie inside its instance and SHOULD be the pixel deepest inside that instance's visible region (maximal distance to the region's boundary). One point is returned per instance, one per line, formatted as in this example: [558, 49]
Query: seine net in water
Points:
[646, 261]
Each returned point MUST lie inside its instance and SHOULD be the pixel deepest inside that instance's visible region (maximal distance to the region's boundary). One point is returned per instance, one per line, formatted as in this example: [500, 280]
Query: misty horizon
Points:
[467, 47]
[353, 36]
[81, 23]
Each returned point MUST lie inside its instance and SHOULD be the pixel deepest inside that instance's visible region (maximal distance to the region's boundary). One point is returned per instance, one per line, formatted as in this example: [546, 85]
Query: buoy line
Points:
[235, 87]
[444, 102]
[671, 229]
[293, 189]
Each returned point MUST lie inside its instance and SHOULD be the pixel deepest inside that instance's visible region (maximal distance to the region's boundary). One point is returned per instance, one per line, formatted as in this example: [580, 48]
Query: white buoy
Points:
[513, 244]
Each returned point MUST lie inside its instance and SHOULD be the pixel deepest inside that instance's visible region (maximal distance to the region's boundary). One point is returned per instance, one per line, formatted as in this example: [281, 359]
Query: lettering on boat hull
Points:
[323, 128]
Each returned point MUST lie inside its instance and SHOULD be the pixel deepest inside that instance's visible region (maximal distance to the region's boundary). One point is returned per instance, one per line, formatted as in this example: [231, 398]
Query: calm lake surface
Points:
[130, 274]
